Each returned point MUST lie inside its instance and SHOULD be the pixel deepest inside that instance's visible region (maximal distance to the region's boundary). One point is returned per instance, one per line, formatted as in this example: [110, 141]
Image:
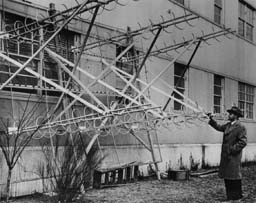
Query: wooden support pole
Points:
[164, 70]
[153, 152]
[61, 65]
[57, 57]
[41, 62]
[159, 91]
[107, 69]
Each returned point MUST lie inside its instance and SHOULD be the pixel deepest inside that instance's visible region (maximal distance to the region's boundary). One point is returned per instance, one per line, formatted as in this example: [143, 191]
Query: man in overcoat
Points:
[234, 140]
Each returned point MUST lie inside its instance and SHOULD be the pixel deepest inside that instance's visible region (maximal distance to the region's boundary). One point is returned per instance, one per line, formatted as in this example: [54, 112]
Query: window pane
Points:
[180, 1]
[217, 80]
[241, 87]
[217, 100]
[241, 10]
[177, 96]
[246, 99]
[249, 32]
[216, 109]
[179, 68]
[245, 21]
[241, 96]
[217, 90]
[241, 27]
[249, 16]
[218, 2]
[177, 106]
[181, 82]
[217, 15]
[181, 90]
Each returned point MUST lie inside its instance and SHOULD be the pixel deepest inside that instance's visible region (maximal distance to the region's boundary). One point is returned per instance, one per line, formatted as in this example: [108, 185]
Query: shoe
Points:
[238, 198]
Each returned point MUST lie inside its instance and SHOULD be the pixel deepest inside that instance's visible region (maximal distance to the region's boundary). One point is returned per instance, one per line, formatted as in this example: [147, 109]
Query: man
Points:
[234, 140]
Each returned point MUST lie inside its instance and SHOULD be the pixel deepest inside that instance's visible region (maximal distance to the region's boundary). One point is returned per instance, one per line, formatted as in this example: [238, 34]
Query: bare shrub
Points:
[68, 168]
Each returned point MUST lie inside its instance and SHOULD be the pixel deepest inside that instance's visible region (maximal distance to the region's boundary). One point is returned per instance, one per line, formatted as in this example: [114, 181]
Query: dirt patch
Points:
[208, 189]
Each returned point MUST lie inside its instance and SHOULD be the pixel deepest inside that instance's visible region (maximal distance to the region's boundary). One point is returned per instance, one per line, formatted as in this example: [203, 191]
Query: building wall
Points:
[179, 144]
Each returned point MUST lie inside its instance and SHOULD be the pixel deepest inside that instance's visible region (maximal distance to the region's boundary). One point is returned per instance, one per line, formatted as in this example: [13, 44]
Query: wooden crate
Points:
[113, 176]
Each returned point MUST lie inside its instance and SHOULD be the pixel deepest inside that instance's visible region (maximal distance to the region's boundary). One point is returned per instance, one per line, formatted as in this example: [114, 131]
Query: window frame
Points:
[182, 2]
[181, 88]
[216, 95]
[246, 96]
[218, 7]
[245, 20]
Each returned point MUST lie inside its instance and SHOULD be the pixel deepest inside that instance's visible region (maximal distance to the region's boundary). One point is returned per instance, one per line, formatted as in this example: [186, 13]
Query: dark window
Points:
[128, 63]
[179, 83]
[246, 99]
[180, 1]
[218, 87]
[21, 45]
[245, 20]
[217, 11]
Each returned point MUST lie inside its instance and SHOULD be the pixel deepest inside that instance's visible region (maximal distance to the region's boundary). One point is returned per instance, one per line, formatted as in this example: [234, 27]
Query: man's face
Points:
[232, 117]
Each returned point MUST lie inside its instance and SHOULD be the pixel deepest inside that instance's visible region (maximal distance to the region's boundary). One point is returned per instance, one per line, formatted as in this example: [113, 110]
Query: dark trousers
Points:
[233, 189]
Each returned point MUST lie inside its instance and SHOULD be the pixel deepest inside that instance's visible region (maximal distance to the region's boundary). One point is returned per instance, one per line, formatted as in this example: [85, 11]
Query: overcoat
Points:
[234, 140]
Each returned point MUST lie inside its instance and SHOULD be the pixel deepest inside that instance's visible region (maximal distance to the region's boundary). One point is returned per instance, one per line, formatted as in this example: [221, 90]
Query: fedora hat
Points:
[235, 110]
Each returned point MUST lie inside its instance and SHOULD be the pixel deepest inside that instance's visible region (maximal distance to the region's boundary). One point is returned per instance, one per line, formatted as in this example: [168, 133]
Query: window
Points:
[20, 46]
[217, 11]
[128, 63]
[23, 44]
[218, 93]
[246, 99]
[179, 81]
[245, 20]
[180, 1]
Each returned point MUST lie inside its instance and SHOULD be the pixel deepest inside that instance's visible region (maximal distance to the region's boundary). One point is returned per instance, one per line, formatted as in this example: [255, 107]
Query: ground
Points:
[207, 189]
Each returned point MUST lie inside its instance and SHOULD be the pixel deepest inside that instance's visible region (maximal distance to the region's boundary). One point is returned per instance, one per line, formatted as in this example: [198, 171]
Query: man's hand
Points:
[209, 115]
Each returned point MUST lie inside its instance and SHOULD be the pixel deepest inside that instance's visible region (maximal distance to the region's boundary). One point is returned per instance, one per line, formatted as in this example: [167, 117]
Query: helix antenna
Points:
[64, 5]
[146, 38]
[110, 9]
[167, 53]
[156, 48]
[186, 20]
[165, 45]
[185, 42]
[175, 23]
[16, 26]
[139, 25]
[193, 35]
[169, 11]
[176, 50]
[165, 30]
[226, 35]
[117, 1]
[152, 32]
[163, 22]
[205, 41]
[64, 16]
[151, 22]
[215, 36]
[217, 39]
[100, 11]
[25, 24]
[202, 37]
[37, 21]
[77, 2]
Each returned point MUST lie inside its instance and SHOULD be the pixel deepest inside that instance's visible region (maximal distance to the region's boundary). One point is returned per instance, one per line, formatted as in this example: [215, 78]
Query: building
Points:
[220, 74]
